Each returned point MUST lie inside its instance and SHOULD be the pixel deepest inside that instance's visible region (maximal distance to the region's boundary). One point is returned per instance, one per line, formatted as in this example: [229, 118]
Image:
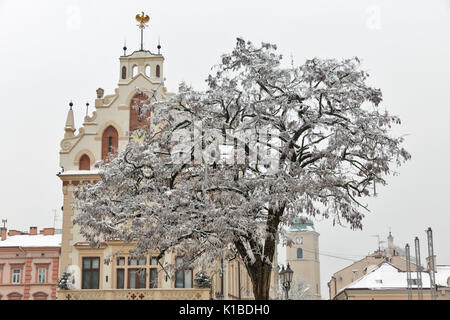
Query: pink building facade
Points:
[29, 264]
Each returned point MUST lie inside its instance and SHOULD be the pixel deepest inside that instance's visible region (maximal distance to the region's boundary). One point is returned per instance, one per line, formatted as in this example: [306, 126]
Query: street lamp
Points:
[286, 279]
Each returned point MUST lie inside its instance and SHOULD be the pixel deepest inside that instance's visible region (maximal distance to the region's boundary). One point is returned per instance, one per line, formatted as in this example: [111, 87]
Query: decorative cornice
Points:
[66, 144]
[140, 74]
[108, 100]
[90, 120]
[86, 246]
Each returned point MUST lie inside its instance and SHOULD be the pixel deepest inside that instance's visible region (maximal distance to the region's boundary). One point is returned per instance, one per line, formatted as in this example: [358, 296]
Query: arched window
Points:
[110, 141]
[124, 72]
[135, 71]
[85, 162]
[299, 253]
[147, 71]
[158, 71]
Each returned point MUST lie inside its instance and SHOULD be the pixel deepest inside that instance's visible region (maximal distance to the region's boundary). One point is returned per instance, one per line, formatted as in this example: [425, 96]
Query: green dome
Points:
[302, 224]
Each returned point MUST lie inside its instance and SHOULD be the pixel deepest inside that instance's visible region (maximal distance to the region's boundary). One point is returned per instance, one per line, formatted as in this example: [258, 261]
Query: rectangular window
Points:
[42, 273]
[91, 273]
[16, 276]
[183, 277]
[153, 278]
[137, 262]
[120, 278]
[188, 278]
[121, 261]
[136, 278]
[154, 262]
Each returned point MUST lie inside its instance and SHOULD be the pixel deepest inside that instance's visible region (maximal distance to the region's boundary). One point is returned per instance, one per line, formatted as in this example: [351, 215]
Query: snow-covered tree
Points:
[222, 171]
[66, 281]
[202, 280]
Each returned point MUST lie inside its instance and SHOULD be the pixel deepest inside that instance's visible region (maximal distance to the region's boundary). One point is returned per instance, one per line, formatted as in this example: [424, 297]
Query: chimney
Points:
[3, 233]
[14, 233]
[33, 231]
[48, 231]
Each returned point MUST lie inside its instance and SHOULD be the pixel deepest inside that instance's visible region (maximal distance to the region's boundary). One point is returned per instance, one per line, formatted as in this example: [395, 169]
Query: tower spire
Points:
[142, 19]
[70, 123]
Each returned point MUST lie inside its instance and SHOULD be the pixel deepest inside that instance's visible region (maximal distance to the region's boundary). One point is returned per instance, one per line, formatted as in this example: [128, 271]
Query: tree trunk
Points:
[261, 270]
[260, 275]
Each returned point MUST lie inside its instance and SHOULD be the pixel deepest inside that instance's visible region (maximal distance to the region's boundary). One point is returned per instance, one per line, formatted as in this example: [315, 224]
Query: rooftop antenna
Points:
[379, 242]
[54, 218]
[4, 221]
[142, 19]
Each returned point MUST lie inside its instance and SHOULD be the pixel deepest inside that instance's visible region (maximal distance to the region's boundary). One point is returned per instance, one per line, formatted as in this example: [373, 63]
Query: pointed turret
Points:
[70, 123]
[391, 247]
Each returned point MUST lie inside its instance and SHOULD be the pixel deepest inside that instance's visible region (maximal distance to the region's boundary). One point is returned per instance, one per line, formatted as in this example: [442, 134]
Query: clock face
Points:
[299, 240]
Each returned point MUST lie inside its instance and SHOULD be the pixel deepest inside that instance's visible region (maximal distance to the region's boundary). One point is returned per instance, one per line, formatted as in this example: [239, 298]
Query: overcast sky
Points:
[52, 52]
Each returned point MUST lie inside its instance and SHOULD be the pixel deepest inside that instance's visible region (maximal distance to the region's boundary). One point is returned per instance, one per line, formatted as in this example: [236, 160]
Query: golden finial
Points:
[142, 19]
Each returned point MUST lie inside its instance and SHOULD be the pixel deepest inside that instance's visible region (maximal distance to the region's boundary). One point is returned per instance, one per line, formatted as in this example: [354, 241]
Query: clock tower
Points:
[303, 258]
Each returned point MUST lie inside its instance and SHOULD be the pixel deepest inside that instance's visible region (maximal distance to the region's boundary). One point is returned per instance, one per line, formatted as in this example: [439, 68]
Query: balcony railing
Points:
[135, 294]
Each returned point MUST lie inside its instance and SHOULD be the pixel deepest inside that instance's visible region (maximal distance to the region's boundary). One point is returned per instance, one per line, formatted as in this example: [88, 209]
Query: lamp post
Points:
[286, 279]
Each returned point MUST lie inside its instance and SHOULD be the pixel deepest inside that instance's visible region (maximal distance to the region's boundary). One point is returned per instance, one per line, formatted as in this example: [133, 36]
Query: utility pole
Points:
[418, 269]
[408, 272]
[431, 265]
